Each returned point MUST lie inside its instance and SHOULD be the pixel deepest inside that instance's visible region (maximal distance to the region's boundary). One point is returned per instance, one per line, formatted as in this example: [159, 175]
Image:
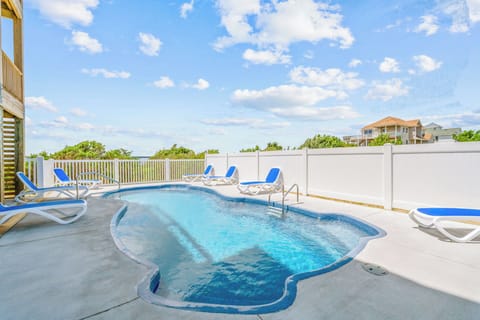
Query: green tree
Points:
[201, 155]
[323, 141]
[467, 136]
[256, 148]
[43, 154]
[117, 154]
[85, 150]
[383, 139]
[175, 153]
[82, 150]
[273, 146]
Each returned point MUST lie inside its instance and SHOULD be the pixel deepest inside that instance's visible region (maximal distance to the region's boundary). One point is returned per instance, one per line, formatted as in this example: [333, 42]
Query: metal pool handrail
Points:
[284, 195]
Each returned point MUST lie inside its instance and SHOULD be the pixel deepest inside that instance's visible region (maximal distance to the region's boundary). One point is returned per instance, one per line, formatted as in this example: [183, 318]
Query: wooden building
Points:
[12, 107]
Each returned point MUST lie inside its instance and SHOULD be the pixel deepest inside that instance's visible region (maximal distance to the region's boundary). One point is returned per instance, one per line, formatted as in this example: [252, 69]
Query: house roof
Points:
[433, 125]
[392, 121]
[443, 132]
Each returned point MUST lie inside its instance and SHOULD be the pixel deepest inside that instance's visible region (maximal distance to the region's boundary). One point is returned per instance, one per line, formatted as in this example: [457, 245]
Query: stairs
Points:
[275, 211]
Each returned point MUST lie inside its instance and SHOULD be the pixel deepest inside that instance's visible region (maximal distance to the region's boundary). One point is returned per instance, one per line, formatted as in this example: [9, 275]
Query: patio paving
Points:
[51, 271]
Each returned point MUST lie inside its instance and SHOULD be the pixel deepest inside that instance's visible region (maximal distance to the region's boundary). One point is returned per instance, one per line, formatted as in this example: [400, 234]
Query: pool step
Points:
[275, 211]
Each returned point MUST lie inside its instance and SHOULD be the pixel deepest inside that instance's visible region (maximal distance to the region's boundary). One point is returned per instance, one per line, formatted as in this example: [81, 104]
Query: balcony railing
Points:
[12, 77]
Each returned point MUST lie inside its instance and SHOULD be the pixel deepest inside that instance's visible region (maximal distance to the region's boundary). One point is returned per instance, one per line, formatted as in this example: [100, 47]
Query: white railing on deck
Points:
[124, 171]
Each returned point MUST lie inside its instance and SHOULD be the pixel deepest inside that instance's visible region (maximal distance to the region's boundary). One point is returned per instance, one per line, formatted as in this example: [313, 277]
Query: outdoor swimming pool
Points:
[213, 253]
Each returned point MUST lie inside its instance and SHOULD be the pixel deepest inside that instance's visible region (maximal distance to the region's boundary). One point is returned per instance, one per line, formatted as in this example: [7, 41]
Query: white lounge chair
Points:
[273, 183]
[64, 180]
[194, 177]
[33, 193]
[76, 209]
[436, 218]
[231, 177]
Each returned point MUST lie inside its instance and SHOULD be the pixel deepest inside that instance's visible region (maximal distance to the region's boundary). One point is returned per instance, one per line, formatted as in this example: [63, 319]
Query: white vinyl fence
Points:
[124, 171]
[404, 177]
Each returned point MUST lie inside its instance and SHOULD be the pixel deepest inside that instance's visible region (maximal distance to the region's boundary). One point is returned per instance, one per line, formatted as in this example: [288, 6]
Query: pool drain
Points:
[374, 269]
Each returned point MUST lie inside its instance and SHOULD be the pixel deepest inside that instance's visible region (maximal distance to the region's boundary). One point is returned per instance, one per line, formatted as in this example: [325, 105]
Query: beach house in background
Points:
[408, 131]
[438, 134]
[12, 108]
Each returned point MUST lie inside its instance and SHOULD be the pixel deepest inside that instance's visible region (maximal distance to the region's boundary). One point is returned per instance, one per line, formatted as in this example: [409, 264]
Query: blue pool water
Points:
[219, 254]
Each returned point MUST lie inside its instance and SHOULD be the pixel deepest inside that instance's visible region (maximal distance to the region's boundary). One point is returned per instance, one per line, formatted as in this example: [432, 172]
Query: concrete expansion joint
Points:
[111, 308]
[47, 238]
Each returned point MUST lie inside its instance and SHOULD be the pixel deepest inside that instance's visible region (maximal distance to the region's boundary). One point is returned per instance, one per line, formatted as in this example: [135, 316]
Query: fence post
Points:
[258, 164]
[116, 169]
[167, 169]
[305, 171]
[45, 173]
[226, 159]
[387, 176]
[40, 179]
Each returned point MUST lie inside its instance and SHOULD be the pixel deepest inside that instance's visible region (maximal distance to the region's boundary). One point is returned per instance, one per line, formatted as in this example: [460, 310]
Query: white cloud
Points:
[284, 96]
[426, 63]
[85, 43]
[330, 78]
[464, 14]
[387, 90]
[389, 65]
[164, 82]
[150, 45]
[429, 25]
[314, 113]
[62, 120]
[77, 112]
[59, 122]
[106, 73]
[474, 10]
[28, 121]
[309, 54]
[354, 63]
[280, 23]
[85, 126]
[245, 122]
[40, 103]
[201, 84]
[266, 57]
[469, 119]
[185, 8]
[66, 12]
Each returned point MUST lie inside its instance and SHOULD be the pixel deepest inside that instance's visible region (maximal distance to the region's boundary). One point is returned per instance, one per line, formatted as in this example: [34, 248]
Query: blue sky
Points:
[228, 74]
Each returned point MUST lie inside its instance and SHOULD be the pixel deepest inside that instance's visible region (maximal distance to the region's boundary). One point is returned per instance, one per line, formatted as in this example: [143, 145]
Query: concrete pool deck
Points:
[51, 271]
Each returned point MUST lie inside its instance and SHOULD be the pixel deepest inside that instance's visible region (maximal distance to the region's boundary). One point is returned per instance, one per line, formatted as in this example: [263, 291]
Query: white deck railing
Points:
[124, 171]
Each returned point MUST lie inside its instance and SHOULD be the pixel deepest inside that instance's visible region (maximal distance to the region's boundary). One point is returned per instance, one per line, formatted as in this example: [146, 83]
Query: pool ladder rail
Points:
[279, 211]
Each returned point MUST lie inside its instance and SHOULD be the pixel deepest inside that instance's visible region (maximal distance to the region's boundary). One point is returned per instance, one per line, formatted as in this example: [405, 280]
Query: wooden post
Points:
[19, 151]
[18, 50]
[2, 170]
